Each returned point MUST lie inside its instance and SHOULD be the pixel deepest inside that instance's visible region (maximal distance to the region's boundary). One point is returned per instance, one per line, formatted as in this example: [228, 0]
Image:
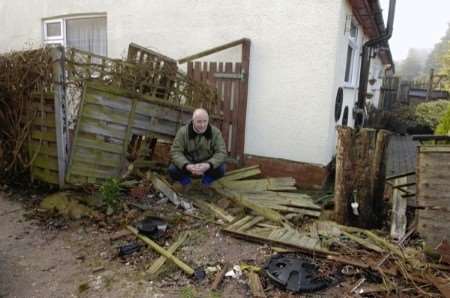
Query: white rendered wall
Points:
[376, 73]
[350, 90]
[297, 55]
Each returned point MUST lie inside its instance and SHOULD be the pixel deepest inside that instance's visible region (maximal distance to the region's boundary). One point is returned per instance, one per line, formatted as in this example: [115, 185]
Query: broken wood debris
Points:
[266, 197]
[164, 187]
[219, 277]
[248, 229]
[183, 266]
[255, 285]
[154, 269]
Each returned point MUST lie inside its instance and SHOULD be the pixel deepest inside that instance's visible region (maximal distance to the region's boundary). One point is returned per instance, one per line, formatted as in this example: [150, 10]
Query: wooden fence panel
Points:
[433, 189]
[227, 79]
[42, 146]
[107, 122]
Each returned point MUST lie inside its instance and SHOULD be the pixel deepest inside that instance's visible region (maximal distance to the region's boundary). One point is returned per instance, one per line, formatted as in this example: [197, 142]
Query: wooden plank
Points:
[243, 201]
[188, 270]
[250, 224]
[434, 149]
[226, 106]
[99, 128]
[255, 285]
[290, 209]
[305, 245]
[212, 83]
[280, 198]
[101, 98]
[100, 160]
[48, 108]
[84, 169]
[220, 83]
[433, 226]
[47, 149]
[282, 183]
[238, 223]
[241, 175]
[399, 204]
[242, 101]
[45, 175]
[235, 113]
[44, 135]
[58, 56]
[230, 173]
[400, 175]
[99, 145]
[213, 50]
[154, 269]
[46, 162]
[48, 122]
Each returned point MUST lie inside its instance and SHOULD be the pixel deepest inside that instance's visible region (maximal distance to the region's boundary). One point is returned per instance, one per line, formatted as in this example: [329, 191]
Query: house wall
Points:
[376, 73]
[297, 56]
[350, 90]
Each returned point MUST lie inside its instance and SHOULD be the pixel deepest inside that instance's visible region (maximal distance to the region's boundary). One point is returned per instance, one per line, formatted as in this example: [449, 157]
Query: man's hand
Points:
[198, 169]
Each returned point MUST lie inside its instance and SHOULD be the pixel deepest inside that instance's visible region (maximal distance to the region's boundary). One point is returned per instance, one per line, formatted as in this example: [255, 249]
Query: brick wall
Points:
[306, 175]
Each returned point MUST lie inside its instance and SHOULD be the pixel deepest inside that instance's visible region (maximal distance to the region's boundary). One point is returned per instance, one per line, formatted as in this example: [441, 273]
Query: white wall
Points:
[350, 91]
[376, 73]
[297, 55]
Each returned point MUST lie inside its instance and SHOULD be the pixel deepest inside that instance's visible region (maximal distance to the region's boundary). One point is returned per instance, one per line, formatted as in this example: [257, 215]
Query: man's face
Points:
[200, 122]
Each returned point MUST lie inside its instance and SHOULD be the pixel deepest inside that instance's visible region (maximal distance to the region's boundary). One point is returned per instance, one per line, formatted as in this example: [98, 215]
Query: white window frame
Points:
[61, 40]
[353, 42]
[58, 38]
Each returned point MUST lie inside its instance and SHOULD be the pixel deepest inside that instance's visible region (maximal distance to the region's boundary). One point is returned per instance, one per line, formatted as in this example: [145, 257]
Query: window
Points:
[352, 49]
[82, 32]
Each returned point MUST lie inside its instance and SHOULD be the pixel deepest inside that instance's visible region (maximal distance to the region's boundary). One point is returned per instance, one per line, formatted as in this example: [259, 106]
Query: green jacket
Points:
[190, 147]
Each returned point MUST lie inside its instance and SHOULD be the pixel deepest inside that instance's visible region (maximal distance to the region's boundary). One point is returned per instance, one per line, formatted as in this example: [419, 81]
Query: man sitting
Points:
[197, 150]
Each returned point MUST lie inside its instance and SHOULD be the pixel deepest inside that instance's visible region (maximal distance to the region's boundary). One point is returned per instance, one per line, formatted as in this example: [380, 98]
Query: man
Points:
[198, 150]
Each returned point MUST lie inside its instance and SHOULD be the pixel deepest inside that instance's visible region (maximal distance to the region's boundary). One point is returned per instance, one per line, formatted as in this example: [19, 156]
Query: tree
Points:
[411, 68]
[440, 49]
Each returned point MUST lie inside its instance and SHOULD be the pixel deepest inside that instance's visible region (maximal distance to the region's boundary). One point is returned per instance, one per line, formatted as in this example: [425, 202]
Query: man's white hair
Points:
[198, 112]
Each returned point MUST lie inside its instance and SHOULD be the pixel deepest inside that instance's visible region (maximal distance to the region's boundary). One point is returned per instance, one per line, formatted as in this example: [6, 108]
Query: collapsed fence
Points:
[41, 92]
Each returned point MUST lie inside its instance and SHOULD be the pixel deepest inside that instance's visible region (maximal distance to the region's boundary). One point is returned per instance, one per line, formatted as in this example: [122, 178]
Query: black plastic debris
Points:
[128, 249]
[152, 227]
[199, 274]
[294, 273]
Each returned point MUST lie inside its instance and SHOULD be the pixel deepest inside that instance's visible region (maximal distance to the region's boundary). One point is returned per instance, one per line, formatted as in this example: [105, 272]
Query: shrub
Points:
[443, 128]
[429, 113]
[110, 192]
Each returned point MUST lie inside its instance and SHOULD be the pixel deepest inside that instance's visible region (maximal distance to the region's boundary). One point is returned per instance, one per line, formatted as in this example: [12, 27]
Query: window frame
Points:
[62, 40]
[353, 43]
[49, 39]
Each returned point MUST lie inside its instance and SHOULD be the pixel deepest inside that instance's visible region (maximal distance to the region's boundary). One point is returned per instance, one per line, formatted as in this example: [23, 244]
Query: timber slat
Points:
[230, 173]
[100, 145]
[45, 175]
[46, 162]
[238, 223]
[250, 224]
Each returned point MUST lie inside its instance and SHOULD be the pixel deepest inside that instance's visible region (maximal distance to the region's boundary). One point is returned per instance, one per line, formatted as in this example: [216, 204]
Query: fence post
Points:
[60, 111]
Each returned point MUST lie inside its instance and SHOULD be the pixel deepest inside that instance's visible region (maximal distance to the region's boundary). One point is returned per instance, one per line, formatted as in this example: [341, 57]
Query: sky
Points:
[417, 24]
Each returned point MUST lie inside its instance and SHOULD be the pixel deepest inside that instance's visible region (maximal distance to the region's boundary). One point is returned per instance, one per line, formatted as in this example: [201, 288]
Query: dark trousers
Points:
[184, 176]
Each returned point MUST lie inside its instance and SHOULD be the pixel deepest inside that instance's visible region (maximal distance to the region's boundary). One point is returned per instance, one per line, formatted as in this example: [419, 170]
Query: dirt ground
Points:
[43, 256]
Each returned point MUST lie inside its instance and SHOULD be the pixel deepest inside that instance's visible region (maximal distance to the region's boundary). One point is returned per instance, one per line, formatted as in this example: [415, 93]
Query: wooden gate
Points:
[231, 82]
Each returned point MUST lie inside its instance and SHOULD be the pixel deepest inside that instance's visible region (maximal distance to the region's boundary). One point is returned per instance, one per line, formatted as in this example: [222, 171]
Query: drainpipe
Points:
[365, 65]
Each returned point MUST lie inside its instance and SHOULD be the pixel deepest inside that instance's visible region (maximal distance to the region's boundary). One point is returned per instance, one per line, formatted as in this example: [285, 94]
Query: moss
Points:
[83, 287]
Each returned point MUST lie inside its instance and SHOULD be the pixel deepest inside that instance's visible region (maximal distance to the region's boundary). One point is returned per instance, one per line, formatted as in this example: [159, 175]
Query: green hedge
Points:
[430, 113]
[443, 128]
